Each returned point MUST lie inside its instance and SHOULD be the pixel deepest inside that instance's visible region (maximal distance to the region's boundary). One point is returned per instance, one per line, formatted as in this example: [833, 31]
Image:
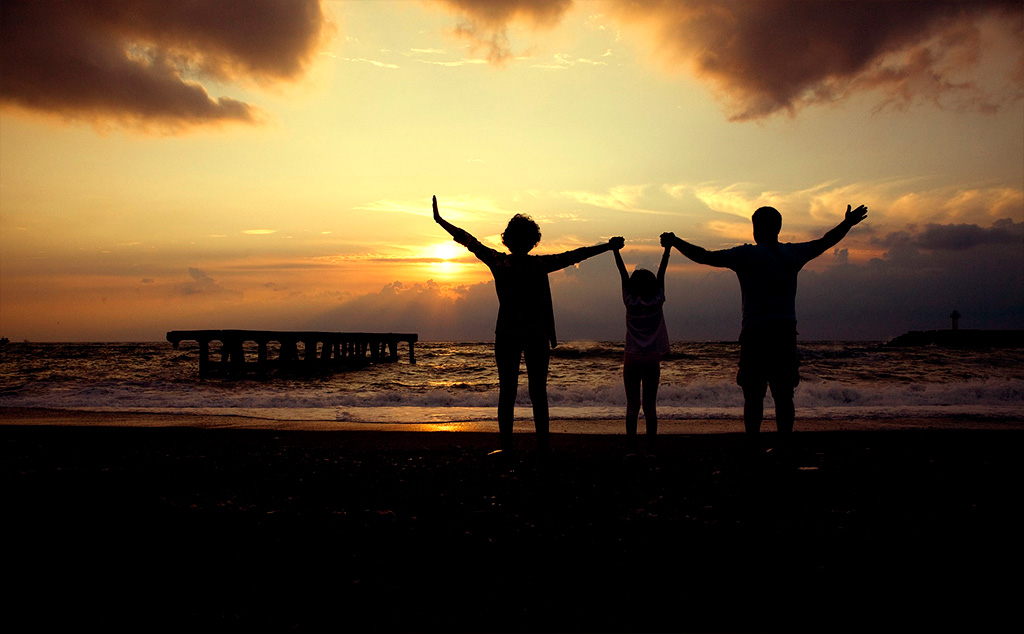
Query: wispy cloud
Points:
[562, 61]
[627, 198]
[203, 284]
[372, 62]
[453, 63]
[806, 211]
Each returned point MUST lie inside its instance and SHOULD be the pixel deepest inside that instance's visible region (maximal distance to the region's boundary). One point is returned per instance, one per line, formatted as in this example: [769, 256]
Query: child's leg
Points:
[651, 379]
[631, 377]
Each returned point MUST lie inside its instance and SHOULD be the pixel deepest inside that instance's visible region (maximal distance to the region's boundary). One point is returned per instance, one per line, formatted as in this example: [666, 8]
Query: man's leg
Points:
[507, 352]
[751, 377]
[784, 378]
[785, 413]
[753, 404]
[785, 410]
[538, 355]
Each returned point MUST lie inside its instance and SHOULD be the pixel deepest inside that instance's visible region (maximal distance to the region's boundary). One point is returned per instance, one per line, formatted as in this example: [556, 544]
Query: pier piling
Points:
[321, 351]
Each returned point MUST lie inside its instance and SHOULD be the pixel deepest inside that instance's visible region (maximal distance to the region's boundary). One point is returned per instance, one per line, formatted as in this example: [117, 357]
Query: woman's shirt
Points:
[521, 281]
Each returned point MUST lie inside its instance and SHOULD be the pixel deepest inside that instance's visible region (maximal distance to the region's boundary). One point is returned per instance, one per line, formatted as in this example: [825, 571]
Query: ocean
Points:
[457, 382]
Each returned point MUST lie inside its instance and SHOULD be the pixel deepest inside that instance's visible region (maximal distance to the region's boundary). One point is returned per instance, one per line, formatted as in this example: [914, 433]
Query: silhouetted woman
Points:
[526, 321]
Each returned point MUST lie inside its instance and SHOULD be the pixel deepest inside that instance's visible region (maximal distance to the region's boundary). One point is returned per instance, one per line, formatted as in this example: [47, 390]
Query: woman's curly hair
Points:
[521, 234]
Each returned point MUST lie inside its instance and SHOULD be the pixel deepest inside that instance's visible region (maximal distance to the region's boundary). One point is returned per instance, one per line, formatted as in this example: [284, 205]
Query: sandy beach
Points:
[170, 523]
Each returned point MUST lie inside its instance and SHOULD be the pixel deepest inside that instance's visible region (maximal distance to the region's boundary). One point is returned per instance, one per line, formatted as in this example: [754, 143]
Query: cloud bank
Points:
[922, 274]
[142, 62]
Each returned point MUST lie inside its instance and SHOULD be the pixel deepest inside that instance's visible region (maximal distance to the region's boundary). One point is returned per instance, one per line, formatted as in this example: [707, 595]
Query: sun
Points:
[442, 259]
[445, 251]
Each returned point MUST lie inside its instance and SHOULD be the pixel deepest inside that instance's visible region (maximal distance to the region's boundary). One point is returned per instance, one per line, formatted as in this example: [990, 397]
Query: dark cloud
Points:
[485, 22]
[772, 55]
[936, 237]
[923, 276]
[141, 62]
[500, 12]
[767, 56]
[960, 237]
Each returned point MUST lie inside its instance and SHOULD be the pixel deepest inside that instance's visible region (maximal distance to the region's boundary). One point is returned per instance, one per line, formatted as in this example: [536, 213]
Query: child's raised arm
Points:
[663, 266]
[622, 268]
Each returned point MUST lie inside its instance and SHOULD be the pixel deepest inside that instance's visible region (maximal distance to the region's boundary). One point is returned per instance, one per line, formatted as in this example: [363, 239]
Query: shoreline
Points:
[89, 418]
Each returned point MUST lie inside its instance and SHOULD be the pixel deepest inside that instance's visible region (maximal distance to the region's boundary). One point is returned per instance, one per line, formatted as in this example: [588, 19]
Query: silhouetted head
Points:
[521, 234]
[767, 225]
[643, 283]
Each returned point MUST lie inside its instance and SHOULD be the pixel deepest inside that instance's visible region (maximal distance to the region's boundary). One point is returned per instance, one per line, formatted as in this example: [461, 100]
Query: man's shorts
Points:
[768, 356]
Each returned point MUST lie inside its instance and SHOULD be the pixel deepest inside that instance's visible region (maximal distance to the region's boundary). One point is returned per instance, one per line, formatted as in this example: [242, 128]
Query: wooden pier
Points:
[243, 352]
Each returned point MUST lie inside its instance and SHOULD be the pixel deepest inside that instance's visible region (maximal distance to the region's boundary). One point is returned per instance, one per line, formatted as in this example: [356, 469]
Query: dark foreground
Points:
[242, 530]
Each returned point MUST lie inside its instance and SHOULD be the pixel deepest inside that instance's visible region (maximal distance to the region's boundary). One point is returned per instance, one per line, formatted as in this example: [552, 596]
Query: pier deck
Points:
[261, 351]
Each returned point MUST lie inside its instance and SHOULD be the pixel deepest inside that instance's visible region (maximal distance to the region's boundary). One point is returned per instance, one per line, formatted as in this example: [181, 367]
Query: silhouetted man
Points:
[767, 271]
[526, 319]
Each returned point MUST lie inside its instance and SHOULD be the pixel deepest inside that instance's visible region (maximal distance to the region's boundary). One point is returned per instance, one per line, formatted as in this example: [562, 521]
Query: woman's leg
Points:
[507, 353]
[538, 357]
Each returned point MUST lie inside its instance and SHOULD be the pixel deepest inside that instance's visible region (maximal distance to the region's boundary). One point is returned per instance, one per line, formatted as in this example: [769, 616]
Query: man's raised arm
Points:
[836, 234]
[700, 255]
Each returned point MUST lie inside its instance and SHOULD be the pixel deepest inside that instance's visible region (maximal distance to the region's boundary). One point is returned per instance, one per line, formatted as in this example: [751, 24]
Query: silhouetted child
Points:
[526, 321]
[643, 293]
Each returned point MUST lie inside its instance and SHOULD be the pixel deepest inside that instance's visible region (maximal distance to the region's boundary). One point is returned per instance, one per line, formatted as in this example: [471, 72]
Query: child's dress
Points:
[645, 324]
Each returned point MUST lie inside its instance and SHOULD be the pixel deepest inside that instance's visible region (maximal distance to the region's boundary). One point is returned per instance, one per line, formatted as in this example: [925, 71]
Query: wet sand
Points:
[141, 526]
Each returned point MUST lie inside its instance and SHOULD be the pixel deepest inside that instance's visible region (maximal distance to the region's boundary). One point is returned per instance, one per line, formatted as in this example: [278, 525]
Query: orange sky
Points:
[165, 169]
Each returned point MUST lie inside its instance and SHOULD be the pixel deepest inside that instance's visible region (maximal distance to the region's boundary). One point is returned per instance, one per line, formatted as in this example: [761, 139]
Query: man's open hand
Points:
[855, 216]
